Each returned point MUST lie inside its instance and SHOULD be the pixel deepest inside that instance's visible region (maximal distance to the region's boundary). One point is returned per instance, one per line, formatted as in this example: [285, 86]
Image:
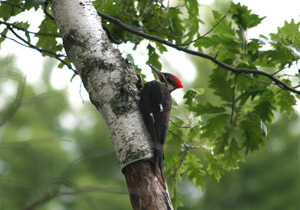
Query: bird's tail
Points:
[158, 162]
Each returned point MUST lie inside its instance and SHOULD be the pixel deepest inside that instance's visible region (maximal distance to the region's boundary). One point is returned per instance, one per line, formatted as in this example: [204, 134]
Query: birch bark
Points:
[112, 83]
[114, 88]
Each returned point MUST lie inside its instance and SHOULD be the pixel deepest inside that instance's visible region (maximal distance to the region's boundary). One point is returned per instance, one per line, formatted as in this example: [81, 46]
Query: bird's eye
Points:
[167, 76]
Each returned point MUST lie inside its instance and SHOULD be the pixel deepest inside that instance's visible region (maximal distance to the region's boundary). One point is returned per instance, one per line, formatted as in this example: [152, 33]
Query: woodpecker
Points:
[155, 106]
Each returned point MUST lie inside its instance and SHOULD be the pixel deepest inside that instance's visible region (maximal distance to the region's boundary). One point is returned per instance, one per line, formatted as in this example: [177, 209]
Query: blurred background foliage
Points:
[55, 157]
[46, 145]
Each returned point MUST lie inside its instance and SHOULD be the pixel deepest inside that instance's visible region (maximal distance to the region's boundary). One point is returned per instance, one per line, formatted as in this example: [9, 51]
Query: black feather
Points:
[154, 96]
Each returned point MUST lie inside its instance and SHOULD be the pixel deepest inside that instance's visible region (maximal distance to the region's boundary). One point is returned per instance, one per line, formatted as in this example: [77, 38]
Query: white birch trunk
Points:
[112, 83]
[113, 86]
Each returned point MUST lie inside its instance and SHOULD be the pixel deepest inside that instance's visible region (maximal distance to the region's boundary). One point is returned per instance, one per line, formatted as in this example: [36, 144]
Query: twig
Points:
[110, 35]
[181, 161]
[30, 32]
[175, 134]
[123, 9]
[200, 54]
[14, 40]
[28, 44]
[258, 80]
[278, 71]
[192, 146]
[188, 43]
[180, 126]
[147, 8]
[162, 20]
[46, 12]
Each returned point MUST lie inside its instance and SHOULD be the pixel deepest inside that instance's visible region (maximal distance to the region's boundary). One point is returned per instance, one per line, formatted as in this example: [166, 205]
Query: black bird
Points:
[155, 106]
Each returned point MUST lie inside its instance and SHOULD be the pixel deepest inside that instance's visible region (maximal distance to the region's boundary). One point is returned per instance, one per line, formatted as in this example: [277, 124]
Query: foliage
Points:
[206, 137]
[49, 152]
[268, 180]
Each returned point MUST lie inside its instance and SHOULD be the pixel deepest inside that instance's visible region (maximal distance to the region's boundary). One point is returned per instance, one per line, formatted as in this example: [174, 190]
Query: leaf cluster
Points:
[237, 124]
[49, 42]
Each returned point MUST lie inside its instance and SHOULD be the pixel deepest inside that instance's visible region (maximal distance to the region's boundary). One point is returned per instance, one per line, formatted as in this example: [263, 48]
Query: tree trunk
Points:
[146, 190]
[114, 88]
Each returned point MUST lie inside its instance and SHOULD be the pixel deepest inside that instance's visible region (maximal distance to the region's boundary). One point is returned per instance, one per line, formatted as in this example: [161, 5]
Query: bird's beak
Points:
[157, 73]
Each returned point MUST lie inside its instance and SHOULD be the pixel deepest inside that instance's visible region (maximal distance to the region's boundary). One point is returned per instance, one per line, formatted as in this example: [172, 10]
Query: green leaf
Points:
[214, 166]
[3, 33]
[176, 24]
[139, 70]
[279, 55]
[7, 11]
[285, 101]
[191, 94]
[215, 126]
[192, 21]
[153, 57]
[194, 171]
[288, 35]
[33, 3]
[254, 132]
[214, 41]
[24, 26]
[264, 106]
[73, 76]
[252, 51]
[225, 27]
[49, 43]
[201, 109]
[161, 47]
[222, 84]
[243, 17]
[66, 60]
[286, 47]
[232, 156]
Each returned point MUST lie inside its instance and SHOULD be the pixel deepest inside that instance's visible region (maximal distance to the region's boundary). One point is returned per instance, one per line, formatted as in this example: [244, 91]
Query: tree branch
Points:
[29, 45]
[196, 53]
[185, 44]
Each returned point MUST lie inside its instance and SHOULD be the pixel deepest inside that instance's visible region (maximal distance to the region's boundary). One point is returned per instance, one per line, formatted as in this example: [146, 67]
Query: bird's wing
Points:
[156, 107]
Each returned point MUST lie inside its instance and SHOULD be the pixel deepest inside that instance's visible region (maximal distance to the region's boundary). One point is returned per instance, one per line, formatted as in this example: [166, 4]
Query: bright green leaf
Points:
[243, 17]
[194, 171]
[153, 57]
[285, 101]
[232, 156]
[214, 166]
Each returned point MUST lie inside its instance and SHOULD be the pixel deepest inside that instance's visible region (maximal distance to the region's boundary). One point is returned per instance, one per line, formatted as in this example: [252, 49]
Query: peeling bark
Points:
[146, 190]
[114, 88]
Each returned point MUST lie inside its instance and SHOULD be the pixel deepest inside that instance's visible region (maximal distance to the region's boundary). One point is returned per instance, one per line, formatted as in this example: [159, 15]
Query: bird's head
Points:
[169, 80]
